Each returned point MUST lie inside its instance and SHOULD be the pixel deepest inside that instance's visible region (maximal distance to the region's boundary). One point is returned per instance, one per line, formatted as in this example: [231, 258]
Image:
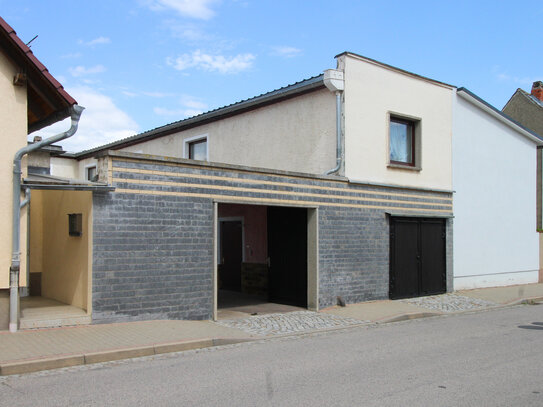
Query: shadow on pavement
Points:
[535, 325]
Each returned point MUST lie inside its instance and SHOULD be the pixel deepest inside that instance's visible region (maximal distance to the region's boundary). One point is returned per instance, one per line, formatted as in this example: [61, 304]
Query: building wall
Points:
[526, 112]
[295, 135]
[13, 122]
[372, 92]
[494, 176]
[65, 260]
[154, 241]
[71, 168]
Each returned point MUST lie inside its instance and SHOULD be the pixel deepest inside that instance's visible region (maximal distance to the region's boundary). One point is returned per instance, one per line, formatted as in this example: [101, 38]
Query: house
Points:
[495, 176]
[31, 99]
[341, 185]
[331, 187]
[527, 109]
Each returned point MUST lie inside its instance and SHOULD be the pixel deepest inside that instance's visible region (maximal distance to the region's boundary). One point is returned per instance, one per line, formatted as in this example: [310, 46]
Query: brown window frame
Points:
[411, 125]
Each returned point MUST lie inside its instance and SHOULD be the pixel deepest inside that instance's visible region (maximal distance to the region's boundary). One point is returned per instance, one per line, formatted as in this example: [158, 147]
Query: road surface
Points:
[491, 358]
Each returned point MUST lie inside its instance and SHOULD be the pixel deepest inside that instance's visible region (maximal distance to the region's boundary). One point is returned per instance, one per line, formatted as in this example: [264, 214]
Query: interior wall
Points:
[255, 229]
[65, 259]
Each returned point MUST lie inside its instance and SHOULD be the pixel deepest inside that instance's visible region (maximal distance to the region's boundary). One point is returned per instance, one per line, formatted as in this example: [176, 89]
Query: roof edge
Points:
[35, 62]
[297, 89]
[394, 68]
[498, 114]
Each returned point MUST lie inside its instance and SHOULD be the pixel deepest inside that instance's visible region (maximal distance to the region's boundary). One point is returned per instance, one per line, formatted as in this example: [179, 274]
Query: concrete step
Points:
[53, 321]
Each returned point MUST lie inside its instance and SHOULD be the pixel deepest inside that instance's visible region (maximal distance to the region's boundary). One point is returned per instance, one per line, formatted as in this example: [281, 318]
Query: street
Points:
[490, 358]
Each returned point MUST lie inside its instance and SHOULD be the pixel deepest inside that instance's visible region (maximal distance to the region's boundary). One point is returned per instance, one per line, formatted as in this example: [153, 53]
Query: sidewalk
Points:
[43, 349]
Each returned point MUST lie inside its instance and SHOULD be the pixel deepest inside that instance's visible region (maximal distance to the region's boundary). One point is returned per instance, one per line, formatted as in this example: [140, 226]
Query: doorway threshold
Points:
[40, 312]
[233, 305]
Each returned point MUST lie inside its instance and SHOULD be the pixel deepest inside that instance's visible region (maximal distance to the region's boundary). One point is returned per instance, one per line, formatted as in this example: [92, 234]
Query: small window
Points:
[92, 174]
[75, 224]
[402, 141]
[195, 148]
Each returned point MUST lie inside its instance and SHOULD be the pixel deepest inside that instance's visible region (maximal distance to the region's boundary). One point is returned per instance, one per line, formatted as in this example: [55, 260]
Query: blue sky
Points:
[139, 64]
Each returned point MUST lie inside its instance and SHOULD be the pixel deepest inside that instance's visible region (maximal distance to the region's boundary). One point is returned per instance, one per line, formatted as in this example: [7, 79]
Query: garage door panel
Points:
[405, 280]
[432, 258]
[417, 257]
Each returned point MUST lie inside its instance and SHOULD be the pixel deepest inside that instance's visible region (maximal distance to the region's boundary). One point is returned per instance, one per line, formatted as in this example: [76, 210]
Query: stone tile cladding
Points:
[153, 236]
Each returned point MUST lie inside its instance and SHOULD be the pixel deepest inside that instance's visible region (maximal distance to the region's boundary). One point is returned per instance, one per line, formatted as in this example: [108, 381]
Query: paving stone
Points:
[291, 322]
[450, 302]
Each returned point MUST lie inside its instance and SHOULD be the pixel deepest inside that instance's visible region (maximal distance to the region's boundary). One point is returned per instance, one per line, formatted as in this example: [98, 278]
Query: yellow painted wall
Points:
[13, 129]
[36, 232]
[66, 260]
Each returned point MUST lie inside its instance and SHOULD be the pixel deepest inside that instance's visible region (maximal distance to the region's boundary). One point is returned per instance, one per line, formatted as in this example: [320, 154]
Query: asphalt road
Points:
[492, 358]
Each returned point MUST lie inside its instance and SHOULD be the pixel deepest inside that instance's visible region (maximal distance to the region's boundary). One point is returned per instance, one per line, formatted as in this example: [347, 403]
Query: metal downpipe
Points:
[75, 113]
[338, 133]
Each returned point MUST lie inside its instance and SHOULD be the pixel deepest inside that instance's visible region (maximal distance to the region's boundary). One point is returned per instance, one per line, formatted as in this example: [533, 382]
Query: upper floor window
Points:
[402, 141]
[195, 148]
[91, 173]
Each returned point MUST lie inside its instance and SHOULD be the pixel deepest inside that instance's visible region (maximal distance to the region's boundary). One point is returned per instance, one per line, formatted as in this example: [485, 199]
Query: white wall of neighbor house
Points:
[494, 176]
[64, 167]
[373, 91]
[13, 125]
[71, 168]
[295, 135]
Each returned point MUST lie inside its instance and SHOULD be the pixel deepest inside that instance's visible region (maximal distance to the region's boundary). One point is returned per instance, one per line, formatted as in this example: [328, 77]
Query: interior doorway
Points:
[266, 259]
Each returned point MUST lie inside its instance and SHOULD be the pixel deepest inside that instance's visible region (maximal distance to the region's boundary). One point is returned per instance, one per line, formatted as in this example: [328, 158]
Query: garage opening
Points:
[417, 257]
[266, 259]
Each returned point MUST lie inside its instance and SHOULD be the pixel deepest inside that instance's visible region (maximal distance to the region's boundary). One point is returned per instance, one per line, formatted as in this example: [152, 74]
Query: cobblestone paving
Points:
[450, 303]
[290, 322]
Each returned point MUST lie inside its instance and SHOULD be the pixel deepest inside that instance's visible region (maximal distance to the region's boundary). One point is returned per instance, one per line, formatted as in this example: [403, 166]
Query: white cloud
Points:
[188, 32]
[213, 63]
[101, 122]
[129, 94]
[199, 9]
[99, 40]
[286, 52]
[80, 70]
[194, 104]
[505, 77]
[73, 55]
[157, 94]
[190, 107]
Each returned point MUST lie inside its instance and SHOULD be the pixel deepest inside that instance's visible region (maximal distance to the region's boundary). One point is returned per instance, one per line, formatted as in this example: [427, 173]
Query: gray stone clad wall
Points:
[152, 258]
[153, 236]
[353, 255]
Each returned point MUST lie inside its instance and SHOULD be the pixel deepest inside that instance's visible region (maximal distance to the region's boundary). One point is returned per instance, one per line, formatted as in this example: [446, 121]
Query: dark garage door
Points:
[417, 257]
[287, 250]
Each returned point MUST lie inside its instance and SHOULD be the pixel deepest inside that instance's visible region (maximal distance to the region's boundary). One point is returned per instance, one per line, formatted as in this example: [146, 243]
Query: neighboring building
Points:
[527, 109]
[31, 99]
[494, 179]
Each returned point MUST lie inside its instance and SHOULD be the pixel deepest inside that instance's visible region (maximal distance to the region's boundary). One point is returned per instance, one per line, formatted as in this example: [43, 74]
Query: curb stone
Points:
[57, 362]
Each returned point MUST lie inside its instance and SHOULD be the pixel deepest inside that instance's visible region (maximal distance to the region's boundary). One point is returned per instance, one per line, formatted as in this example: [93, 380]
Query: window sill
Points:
[404, 167]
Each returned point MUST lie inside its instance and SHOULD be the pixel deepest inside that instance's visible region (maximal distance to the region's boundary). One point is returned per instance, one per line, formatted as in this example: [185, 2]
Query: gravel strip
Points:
[291, 322]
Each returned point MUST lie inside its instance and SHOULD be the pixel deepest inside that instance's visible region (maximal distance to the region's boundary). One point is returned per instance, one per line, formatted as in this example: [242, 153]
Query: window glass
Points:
[91, 174]
[401, 142]
[198, 150]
